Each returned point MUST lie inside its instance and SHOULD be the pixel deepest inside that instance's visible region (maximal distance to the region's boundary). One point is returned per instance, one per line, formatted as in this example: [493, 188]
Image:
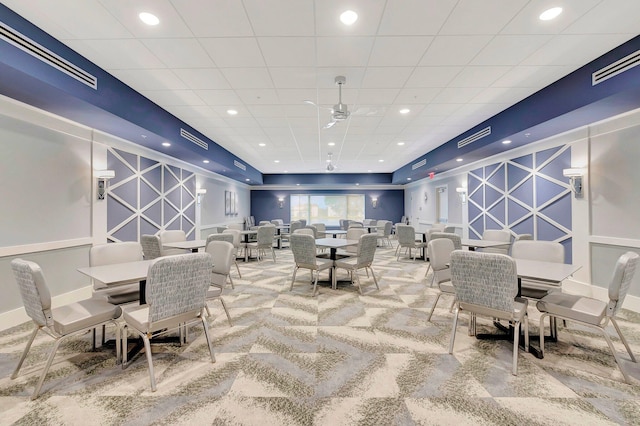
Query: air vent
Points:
[478, 135]
[616, 68]
[188, 136]
[29, 46]
[419, 164]
[239, 165]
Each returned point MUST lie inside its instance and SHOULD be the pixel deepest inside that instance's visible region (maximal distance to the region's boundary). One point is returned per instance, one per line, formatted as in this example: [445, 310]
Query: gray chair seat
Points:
[584, 309]
[83, 314]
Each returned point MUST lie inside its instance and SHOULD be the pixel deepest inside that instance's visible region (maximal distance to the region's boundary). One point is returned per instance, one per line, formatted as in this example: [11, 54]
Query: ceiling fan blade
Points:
[308, 102]
[330, 124]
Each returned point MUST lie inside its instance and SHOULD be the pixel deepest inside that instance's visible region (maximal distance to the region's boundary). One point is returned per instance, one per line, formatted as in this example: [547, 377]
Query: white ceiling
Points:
[453, 63]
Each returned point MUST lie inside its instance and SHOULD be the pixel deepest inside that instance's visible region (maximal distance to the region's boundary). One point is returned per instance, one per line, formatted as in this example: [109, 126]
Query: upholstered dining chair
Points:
[407, 239]
[321, 230]
[222, 253]
[354, 233]
[175, 294]
[384, 233]
[150, 246]
[366, 250]
[237, 244]
[264, 242]
[172, 236]
[547, 251]
[440, 250]
[487, 284]
[457, 245]
[592, 312]
[60, 323]
[303, 247]
[497, 235]
[112, 253]
[230, 238]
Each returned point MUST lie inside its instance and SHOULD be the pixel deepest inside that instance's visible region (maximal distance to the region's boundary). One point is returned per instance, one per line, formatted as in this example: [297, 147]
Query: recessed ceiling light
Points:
[286, 171]
[247, 179]
[400, 143]
[232, 112]
[357, 184]
[205, 161]
[550, 14]
[276, 161]
[331, 143]
[349, 17]
[380, 161]
[297, 184]
[405, 111]
[369, 171]
[458, 159]
[507, 142]
[262, 144]
[149, 18]
[408, 178]
[166, 144]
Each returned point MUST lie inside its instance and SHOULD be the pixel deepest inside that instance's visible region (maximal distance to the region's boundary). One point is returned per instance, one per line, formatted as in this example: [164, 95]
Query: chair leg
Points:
[516, 341]
[231, 281]
[293, 279]
[125, 345]
[273, 253]
[542, 317]
[238, 268]
[205, 326]
[25, 352]
[52, 354]
[226, 311]
[526, 333]
[453, 330]
[315, 283]
[206, 307]
[427, 273]
[624, 341]
[118, 343]
[373, 274]
[433, 307]
[147, 350]
[357, 280]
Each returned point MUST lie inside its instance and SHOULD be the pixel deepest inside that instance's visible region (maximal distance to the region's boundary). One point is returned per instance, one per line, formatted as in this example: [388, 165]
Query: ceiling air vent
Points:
[478, 135]
[239, 165]
[29, 46]
[616, 68]
[188, 136]
[419, 164]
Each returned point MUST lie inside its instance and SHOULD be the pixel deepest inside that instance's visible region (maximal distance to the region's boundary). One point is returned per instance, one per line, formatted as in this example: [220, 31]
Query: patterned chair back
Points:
[455, 238]
[177, 285]
[303, 247]
[150, 246]
[220, 237]
[34, 291]
[484, 279]
[367, 249]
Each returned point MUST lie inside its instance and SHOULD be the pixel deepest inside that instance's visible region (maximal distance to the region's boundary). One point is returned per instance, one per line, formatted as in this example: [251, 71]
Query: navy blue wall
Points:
[264, 204]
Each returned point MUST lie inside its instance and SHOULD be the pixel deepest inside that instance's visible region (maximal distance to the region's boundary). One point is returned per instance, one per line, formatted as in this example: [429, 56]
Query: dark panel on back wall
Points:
[265, 204]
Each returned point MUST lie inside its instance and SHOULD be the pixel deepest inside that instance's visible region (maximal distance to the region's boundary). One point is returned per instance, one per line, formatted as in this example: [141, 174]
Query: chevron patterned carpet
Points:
[340, 358]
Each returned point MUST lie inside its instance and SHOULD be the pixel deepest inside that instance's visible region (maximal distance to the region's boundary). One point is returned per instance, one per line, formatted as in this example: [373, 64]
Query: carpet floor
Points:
[339, 358]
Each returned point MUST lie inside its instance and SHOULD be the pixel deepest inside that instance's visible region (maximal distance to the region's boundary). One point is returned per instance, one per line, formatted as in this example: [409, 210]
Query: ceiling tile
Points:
[171, 23]
[432, 76]
[415, 17]
[478, 76]
[398, 51]
[281, 18]
[481, 17]
[288, 51]
[293, 77]
[117, 54]
[233, 51]
[162, 79]
[344, 51]
[386, 77]
[215, 18]
[327, 15]
[509, 50]
[248, 78]
[574, 50]
[202, 78]
[258, 96]
[179, 53]
[220, 97]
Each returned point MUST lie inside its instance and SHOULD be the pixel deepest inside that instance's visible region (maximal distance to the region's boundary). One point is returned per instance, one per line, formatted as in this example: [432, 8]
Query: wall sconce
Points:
[374, 202]
[200, 193]
[462, 193]
[103, 176]
[575, 180]
[281, 202]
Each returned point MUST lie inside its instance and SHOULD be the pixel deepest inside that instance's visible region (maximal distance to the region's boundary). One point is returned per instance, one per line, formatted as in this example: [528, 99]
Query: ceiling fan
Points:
[330, 166]
[340, 111]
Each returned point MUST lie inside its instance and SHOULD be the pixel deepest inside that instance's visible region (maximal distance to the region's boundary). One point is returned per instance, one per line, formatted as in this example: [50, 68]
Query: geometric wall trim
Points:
[146, 197]
[526, 195]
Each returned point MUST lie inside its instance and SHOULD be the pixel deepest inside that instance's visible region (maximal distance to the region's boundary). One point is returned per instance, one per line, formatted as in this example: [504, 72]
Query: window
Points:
[327, 209]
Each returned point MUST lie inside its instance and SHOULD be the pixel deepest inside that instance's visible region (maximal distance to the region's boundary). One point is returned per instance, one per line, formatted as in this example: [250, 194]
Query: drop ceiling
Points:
[452, 63]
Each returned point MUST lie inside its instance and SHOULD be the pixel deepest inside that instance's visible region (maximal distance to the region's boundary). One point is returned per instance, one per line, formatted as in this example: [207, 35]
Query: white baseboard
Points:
[631, 303]
[18, 316]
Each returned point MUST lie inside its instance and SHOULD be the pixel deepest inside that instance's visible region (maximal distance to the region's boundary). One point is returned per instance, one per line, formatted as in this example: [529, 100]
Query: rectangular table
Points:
[246, 234]
[333, 244]
[538, 270]
[279, 229]
[473, 244]
[193, 245]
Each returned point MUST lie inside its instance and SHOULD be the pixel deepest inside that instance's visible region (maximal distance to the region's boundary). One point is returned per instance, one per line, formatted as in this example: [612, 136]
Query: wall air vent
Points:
[191, 138]
[239, 165]
[478, 135]
[616, 68]
[29, 46]
[419, 164]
